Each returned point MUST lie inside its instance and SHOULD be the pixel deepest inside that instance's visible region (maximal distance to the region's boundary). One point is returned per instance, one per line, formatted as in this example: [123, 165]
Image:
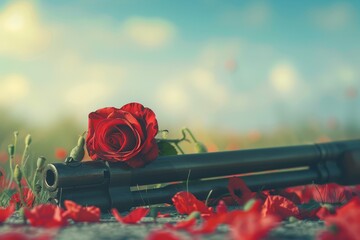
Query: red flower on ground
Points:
[304, 193]
[331, 193]
[29, 197]
[279, 206]
[5, 213]
[123, 135]
[251, 225]
[186, 203]
[161, 235]
[46, 215]
[345, 223]
[239, 191]
[133, 217]
[79, 213]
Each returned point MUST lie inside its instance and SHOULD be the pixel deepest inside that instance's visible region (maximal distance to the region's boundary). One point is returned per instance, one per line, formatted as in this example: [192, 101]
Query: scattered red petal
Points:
[251, 225]
[14, 236]
[161, 235]
[79, 213]
[186, 203]
[46, 215]
[133, 217]
[163, 215]
[221, 207]
[23, 236]
[239, 191]
[331, 193]
[5, 213]
[280, 206]
[345, 223]
[323, 212]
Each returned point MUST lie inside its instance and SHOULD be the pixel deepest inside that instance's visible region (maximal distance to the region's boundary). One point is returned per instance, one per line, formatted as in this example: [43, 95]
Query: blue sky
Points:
[240, 65]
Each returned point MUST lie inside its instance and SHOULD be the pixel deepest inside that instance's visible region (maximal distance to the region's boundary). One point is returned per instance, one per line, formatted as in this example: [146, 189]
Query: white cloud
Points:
[347, 75]
[174, 97]
[149, 32]
[207, 85]
[21, 33]
[333, 17]
[218, 51]
[13, 89]
[87, 94]
[254, 15]
[283, 78]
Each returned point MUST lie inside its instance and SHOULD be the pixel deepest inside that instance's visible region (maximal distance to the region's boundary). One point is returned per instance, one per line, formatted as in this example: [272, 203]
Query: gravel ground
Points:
[109, 229]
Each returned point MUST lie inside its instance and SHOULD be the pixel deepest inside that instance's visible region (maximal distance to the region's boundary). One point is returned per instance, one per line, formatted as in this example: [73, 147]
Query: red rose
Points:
[126, 135]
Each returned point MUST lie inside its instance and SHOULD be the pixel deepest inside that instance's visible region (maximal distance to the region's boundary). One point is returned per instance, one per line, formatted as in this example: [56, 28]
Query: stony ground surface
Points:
[109, 229]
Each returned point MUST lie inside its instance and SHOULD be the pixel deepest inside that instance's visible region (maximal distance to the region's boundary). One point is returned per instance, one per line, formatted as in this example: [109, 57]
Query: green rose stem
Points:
[199, 146]
[176, 142]
[18, 177]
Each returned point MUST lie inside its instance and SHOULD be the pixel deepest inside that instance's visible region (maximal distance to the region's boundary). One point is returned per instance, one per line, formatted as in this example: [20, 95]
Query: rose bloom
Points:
[123, 135]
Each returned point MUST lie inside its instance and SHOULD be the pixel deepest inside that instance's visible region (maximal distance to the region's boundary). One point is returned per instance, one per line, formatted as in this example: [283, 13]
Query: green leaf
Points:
[166, 148]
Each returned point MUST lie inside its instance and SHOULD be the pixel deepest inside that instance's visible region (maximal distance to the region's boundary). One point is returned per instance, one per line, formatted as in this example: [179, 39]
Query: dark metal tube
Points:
[107, 184]
[177, 168]
[201, 189]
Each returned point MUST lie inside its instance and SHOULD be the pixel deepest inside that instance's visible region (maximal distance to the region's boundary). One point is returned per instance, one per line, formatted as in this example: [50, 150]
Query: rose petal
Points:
[133, 217]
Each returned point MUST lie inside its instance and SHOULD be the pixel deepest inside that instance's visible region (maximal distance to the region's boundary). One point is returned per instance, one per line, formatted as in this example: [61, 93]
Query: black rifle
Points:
[113, 185]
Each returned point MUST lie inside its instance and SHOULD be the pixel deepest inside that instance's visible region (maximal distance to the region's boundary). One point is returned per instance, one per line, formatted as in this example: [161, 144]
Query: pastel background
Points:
[238, 73]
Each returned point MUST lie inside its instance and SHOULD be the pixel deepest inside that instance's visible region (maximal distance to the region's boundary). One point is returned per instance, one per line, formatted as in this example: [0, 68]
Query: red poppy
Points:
[46, 215]
[60, 153]
[161, 235]
[303, 193]
[251, 225]
[133, 217]
[239, 191]
[289, 194]
[344, 224]
[6, 212]
[331, 193]
[79, 213]
[280, 206]
[186, 203]
[29, 197]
